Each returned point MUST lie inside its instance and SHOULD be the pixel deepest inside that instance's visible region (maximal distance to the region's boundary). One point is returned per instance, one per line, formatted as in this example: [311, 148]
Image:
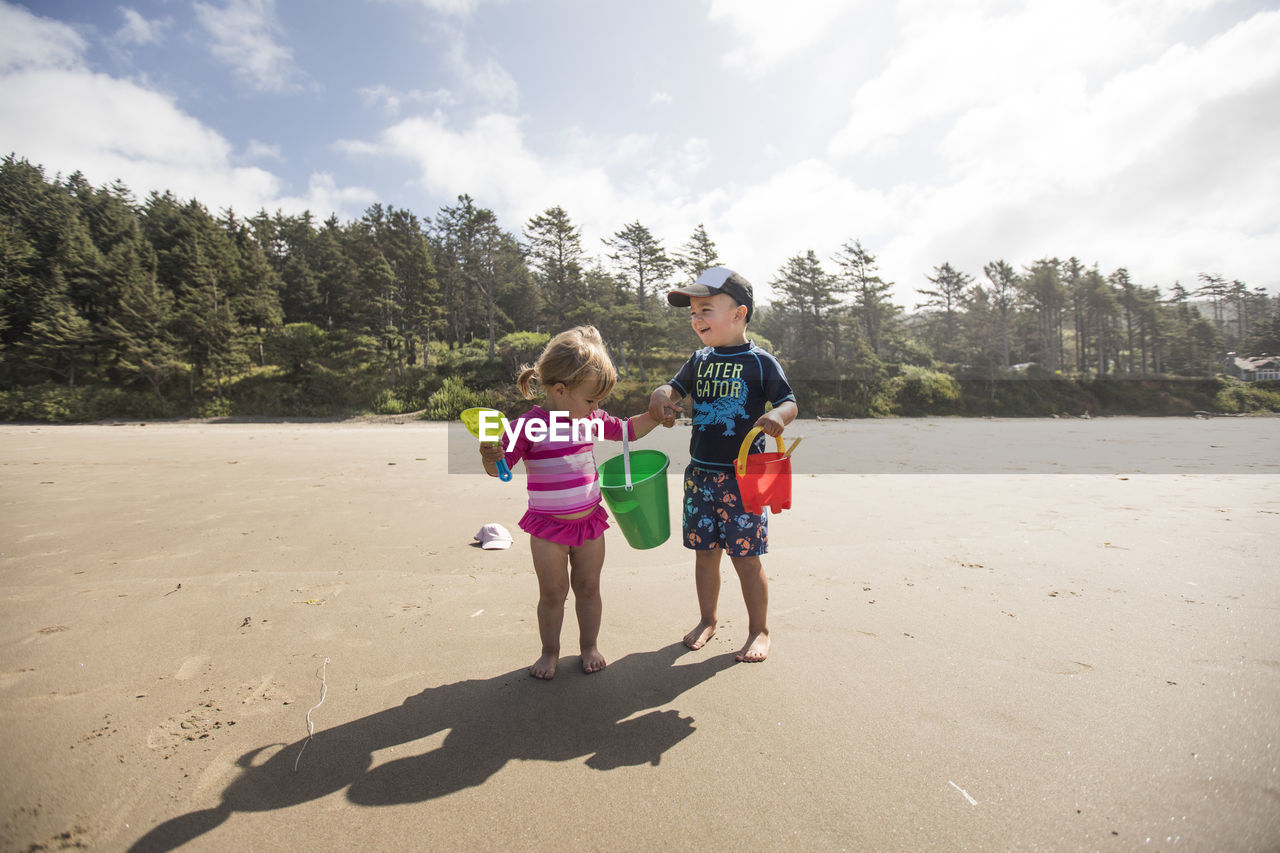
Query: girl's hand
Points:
[491, 452]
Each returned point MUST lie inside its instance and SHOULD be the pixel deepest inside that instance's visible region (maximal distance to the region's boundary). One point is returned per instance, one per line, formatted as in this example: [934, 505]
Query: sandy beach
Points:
[987, 635]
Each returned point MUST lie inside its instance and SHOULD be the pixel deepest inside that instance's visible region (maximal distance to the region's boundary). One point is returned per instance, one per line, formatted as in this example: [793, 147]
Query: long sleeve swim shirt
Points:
[561, 474]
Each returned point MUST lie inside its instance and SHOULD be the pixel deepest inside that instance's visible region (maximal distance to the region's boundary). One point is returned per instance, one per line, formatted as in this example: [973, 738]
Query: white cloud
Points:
[491, 82]
[324, 196]
[694, 157]
[246, 36]
[29, 41]
[1080, 128]
[661, 98]
[138, 30]
[955, 57]
[451, 8]
[394, 102]
[112, 129]
[258, 150]
[492, 162]
[57, 114]
[771, 32]
[1081, 139]
[808, 205]
[487, 82]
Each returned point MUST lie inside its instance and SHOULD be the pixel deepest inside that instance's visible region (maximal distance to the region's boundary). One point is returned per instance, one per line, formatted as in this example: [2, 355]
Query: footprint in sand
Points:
[191, 667]
[196, 724]
[13, 676]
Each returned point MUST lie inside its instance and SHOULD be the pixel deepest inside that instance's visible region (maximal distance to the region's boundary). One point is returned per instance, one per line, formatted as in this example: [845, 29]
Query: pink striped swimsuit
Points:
[562, 478]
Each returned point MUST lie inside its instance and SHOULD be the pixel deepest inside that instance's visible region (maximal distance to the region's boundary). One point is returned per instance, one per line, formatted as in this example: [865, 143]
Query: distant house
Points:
[1252, 369]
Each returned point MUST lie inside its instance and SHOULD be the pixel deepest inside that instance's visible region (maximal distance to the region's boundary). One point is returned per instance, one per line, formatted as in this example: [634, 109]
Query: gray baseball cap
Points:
[712, 281]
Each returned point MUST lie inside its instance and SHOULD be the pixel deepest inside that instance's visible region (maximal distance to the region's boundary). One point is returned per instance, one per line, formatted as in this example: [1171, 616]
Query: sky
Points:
[1142, 134]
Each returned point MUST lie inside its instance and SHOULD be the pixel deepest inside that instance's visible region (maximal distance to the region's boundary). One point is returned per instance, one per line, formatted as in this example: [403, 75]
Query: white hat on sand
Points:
[493, 536]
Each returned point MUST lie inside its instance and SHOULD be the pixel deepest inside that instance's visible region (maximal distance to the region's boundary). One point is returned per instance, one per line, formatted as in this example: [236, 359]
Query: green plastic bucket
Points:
[641, 511]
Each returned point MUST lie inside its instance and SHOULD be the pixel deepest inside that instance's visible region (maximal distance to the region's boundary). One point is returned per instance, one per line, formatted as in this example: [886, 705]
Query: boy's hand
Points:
[491, 452]
[771, 423]
[662, 409]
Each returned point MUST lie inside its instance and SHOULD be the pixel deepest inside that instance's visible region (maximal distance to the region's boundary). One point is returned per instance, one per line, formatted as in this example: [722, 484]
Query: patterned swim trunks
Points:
[714, 517]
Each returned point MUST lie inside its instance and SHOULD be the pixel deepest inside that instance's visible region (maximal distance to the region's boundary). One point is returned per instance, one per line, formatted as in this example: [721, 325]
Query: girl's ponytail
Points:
[527, 375]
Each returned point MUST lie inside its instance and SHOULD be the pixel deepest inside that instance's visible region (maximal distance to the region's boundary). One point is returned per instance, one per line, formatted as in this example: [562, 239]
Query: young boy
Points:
[728, 381]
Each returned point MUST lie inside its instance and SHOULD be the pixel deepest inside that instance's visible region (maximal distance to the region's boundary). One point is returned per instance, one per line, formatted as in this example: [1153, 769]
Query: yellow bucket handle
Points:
[746, 446]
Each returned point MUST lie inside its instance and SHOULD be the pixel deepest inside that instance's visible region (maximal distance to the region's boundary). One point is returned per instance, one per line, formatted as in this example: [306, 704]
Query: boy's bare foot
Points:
[592, 660]
[756, 649]
[545, 667]
[697, 638]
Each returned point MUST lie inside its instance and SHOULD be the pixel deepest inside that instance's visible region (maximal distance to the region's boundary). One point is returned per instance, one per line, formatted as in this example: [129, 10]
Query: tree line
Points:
[204, 311]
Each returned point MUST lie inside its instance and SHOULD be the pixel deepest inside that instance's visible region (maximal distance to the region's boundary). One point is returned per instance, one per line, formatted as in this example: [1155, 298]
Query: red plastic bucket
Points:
[764, 479]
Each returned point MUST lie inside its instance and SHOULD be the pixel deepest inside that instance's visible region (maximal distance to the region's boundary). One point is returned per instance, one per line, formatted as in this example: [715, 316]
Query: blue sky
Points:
[1136, 133]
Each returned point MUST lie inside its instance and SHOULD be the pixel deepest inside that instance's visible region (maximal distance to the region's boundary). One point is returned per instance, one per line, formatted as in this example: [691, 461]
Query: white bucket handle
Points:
[626, 454]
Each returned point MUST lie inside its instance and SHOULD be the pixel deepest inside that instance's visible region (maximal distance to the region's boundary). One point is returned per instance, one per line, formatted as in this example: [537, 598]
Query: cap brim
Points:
[680, 298]
[496, 544]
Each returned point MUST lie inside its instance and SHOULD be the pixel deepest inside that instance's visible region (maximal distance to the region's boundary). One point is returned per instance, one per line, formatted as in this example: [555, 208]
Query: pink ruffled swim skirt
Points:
[566, 531]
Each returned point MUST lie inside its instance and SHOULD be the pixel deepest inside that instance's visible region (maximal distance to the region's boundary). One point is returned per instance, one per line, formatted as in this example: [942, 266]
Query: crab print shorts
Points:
[714, 517]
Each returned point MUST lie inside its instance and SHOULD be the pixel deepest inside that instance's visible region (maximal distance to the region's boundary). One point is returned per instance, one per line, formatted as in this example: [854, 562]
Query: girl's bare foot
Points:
[756, 649]
[592, 660]
[697, 638]
[545, 667]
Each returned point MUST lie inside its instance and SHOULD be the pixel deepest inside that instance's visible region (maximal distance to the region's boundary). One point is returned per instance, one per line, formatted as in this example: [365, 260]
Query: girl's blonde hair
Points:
[574, 357]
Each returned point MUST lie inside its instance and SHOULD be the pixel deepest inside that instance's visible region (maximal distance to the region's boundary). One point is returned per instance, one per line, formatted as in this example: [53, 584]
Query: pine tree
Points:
[1043, 293]
[639, 258]
[140, 332]
[58, 336]
[1003, 300]
[468, 241]
[873, 308]
[17, 260]
[697, 255]
[946, 296]
[195, 261]
[553, 245]
[807, 301]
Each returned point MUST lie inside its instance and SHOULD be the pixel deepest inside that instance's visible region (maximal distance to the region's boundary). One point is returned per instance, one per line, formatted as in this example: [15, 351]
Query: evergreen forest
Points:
[114, 308]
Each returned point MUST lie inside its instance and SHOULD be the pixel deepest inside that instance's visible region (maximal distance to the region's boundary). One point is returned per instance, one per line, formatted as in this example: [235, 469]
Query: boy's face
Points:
[718, 320]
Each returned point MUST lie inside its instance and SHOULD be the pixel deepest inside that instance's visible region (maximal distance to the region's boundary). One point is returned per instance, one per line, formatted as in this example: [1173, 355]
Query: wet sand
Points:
[970, 650]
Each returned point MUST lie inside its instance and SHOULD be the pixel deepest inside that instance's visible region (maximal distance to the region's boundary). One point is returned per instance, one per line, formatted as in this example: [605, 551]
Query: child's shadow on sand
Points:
[490, 722]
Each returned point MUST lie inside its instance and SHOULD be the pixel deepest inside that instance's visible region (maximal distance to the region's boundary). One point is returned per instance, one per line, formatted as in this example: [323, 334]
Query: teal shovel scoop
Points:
[497, 425]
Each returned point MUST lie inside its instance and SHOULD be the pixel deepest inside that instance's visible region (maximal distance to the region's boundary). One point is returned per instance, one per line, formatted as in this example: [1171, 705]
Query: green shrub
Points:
[219, 407]
[60, 404]
[1237, 397]
[921, 391]
[453, 398]
[520, 348]
[295, 346]
[52, 404]
[390, 402]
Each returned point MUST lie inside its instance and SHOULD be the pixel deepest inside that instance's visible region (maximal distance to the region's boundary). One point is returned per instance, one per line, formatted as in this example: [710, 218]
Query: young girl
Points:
[565, 521]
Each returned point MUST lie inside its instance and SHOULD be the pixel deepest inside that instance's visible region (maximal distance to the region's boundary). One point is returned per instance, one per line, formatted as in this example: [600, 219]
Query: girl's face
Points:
[579, 401]
[718, 320]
